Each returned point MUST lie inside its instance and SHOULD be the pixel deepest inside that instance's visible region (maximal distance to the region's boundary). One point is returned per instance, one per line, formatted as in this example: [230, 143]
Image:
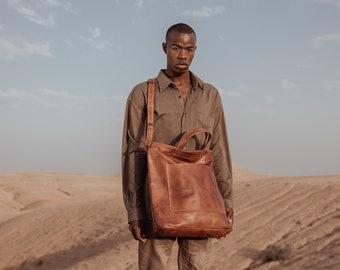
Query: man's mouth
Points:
[182, 65]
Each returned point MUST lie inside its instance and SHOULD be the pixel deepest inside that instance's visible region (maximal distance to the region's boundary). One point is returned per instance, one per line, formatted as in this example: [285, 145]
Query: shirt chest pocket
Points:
[205, 121]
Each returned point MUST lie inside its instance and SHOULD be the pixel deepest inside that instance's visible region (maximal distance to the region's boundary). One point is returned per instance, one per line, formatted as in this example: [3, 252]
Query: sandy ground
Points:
[56, 221]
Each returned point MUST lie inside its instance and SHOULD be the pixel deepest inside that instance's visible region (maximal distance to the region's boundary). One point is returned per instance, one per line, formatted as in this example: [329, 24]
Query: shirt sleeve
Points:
[222, 159]
[134, 154]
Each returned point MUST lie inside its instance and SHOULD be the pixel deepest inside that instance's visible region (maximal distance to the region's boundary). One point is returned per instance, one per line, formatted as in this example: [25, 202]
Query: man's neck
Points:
[179, 79]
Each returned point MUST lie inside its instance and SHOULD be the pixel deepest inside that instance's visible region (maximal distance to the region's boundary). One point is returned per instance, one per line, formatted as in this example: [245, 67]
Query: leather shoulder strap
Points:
[150, 111]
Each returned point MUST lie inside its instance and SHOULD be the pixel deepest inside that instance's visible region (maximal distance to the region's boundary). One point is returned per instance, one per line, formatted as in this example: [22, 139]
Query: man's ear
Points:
[164, 47]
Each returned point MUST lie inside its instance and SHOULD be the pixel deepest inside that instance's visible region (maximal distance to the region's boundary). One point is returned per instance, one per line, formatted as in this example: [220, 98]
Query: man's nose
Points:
[182, 54]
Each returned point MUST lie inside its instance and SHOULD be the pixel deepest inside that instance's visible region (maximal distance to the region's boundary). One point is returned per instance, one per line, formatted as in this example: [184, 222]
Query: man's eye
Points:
[176, 48]
[191, 49]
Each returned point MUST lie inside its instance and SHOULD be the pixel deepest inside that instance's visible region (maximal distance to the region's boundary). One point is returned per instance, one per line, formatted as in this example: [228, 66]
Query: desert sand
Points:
[57, 221]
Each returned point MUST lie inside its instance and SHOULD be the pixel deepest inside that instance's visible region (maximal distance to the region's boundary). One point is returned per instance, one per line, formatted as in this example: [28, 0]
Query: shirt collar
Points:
[164, 82]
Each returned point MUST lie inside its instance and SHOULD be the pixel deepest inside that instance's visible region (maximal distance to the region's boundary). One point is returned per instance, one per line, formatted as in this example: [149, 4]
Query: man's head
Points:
[180, 48]
[180, 28]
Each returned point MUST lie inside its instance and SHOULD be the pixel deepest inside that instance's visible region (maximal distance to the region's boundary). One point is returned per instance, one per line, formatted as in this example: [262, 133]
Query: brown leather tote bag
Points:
[185, 199]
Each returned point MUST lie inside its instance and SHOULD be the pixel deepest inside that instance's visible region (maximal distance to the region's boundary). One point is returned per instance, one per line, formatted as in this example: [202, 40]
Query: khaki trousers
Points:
[155, 254]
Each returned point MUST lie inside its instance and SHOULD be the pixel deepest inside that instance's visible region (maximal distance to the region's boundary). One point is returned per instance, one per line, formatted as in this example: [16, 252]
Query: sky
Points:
[67, 67]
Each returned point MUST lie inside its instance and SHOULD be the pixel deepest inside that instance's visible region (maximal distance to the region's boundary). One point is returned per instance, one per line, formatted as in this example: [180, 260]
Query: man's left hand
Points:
[230, 215]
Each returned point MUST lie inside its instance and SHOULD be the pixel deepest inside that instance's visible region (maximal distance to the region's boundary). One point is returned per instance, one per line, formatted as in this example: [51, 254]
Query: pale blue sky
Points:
[66, 68]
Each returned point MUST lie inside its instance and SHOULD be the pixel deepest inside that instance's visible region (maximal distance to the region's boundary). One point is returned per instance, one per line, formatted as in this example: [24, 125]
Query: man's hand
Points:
[135, 228]
[230, 215]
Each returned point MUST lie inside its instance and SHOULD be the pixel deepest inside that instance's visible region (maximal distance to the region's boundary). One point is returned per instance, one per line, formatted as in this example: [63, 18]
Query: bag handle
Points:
[150, 111]
[191, 133]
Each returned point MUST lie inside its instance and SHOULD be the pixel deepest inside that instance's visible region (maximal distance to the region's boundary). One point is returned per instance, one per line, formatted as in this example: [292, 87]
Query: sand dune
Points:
[56, 221]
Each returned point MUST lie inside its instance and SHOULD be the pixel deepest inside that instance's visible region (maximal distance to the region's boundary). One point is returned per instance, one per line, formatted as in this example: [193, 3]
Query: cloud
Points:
[332, 86]
[69, 44]
[41, 12]
[57, 94]
[233, 93]
[323, 1]
[268, 99]
[204, 12]
[255, 110]
[286, 84]
[64, 4]
[139, 3]
[261, 110]
[95, 32]
[325, 39]
[336, 2]
[11, 51]
[95, 41]
[237, 92]
[65, 95]
[304, 66]
[12, 98]
[49, 98]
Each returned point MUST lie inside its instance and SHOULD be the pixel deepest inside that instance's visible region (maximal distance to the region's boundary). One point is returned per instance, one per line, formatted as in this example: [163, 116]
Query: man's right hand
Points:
[135, 228]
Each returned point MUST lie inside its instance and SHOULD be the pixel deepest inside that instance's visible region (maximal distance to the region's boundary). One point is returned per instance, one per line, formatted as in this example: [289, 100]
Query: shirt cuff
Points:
[228, 204]
[135, 214]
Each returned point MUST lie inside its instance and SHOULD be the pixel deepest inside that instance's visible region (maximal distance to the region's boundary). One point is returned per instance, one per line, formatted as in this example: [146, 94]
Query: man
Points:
[182, 102]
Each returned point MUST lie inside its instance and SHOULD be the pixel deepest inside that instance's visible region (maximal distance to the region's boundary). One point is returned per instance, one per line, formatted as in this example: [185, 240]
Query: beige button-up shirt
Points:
[172, 117]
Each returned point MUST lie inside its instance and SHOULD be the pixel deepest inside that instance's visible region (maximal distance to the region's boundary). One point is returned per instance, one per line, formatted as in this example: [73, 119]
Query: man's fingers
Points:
[230, 212]
[230, 215]
[135, 230]
[231, 221]
[139, 236]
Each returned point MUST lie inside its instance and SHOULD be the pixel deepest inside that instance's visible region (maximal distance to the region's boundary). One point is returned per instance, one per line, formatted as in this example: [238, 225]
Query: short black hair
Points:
[181, 28]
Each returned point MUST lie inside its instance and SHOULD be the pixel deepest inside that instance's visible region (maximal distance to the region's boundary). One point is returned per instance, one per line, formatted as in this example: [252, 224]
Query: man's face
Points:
[180, 50]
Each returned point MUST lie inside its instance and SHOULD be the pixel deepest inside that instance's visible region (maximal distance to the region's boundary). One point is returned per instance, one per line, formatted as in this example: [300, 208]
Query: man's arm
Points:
[222, 159]
[134, 161]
